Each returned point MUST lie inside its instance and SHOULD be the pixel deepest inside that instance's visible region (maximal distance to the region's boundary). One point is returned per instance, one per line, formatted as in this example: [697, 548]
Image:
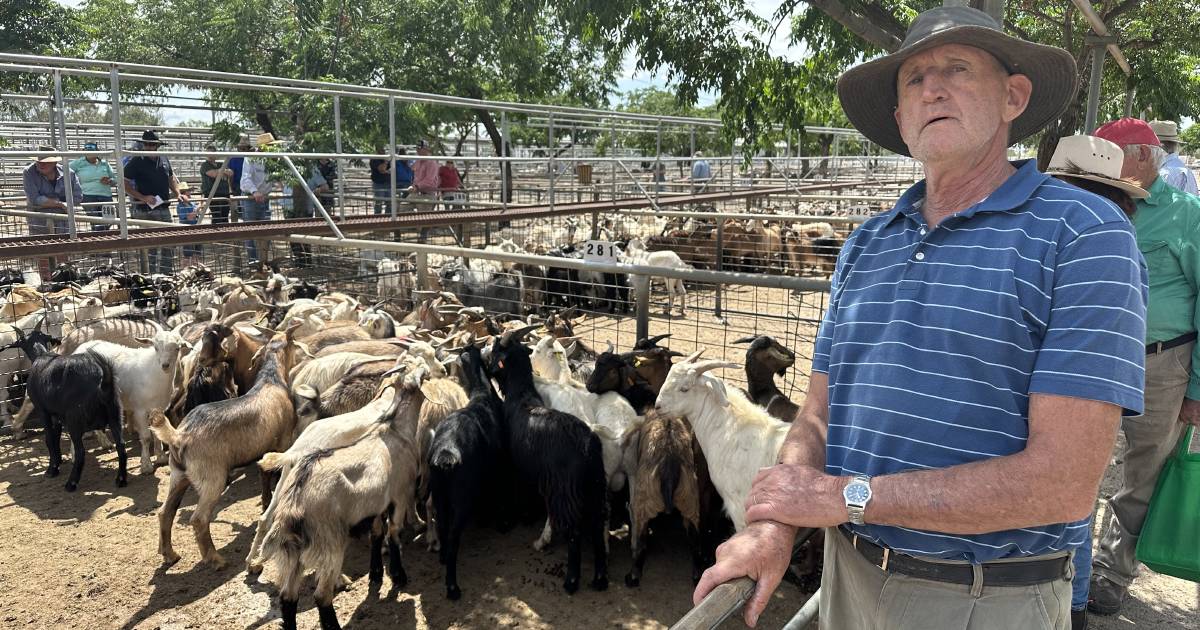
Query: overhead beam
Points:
[1098, 27]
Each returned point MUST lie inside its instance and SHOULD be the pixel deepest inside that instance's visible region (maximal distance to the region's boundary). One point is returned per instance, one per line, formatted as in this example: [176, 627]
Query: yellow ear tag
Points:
[638, 361]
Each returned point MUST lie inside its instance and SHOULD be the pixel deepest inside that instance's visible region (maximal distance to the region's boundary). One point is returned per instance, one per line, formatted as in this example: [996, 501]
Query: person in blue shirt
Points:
[982, 340]
[404, 173]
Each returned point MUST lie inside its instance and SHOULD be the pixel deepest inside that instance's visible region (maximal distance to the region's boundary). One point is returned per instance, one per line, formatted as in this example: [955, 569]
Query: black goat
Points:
[556, 453]
[304, 290]
[74, 391]
[766, 358]
[500, 294]
[464, 456]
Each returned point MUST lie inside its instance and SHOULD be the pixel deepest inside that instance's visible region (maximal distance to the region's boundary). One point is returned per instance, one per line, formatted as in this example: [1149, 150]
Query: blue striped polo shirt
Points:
[935, 338]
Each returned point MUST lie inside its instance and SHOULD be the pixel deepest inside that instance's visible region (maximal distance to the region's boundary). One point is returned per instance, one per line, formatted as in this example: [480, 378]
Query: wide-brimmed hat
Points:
[1124, 132]
[868, 91]
[46, 159]
[1166, 130]
[265, 140]
[1095, 159]
[149, 136]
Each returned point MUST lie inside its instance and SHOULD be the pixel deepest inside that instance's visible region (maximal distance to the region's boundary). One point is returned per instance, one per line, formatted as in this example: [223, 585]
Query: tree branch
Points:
[881, 35]
[1118, 10]
[1020, 32]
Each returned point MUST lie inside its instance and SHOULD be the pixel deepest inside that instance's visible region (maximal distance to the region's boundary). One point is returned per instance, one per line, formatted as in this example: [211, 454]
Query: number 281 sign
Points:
[600, 251]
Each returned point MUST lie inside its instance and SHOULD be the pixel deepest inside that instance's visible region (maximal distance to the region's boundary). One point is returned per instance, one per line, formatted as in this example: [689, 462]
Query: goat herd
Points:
[385, 421]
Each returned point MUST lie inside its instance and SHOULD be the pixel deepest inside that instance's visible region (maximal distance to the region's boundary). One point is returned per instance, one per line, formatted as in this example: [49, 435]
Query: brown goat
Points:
[664, 482]
[334, 333]
[355, 389]
[216, 438]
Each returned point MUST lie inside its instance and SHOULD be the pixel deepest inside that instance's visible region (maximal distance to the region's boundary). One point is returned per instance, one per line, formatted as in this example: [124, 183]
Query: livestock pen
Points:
[757, 240]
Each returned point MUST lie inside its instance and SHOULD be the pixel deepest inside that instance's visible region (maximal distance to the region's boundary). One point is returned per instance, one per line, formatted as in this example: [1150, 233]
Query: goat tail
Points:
[287, 536]
[164, 430]
[668, 482]
[445, 457]
[272, 462]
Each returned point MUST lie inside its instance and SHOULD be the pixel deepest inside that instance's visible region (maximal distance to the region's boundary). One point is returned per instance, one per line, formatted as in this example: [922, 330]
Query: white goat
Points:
[737, 437]
[145, 379]
[321, 373]
[636, 254]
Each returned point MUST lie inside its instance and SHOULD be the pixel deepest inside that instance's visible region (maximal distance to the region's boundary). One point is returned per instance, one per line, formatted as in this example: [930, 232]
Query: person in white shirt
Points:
[1173, 170]
[256, 184]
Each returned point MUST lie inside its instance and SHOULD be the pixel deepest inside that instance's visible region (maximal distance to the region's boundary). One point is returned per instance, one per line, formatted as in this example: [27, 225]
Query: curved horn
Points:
[749, 339]
[713, 364]
[518, 334]
[650, 342]
[609, 347]
[691, 358]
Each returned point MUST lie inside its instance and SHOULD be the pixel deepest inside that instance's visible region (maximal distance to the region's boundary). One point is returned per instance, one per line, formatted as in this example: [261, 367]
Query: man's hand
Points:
[106, 180]
[184, 197]
[761, 552]
[259, 197]
[800, 496]
[1190, 412]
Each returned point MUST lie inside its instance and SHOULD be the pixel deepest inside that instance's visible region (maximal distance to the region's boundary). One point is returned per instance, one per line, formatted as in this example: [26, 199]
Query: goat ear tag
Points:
[638, 361]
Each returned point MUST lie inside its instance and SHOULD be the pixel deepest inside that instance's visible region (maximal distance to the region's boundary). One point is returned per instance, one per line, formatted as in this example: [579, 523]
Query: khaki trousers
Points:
[1149, 440]
[857, 595]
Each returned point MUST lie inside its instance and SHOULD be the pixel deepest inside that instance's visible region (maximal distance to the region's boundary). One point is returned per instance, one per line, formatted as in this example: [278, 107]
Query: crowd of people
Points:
[237, 189]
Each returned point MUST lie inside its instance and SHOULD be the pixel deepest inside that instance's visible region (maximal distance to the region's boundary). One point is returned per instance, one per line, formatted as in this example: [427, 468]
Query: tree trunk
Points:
[263, 118]
[493, 132]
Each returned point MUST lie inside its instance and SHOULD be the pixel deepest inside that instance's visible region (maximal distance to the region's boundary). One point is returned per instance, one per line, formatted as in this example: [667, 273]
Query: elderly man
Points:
[1168, 234]
[701, 172]
[1173, 170]
[97, 178]
[45, 191]
[151, 182]
[981, 341]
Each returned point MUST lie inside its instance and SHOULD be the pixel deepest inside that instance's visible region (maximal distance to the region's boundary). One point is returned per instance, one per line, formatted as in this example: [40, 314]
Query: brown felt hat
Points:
[868, 91]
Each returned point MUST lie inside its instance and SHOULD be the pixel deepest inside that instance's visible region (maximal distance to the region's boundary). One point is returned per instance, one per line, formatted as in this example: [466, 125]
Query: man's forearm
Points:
[805, 442]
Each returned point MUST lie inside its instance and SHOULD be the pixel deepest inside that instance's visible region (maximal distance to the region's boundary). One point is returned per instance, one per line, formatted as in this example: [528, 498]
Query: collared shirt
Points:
[1168, 233]
[235, 165]
[448, 178]
[90, 175]
[701, 170]
[254, 177]
[151, 175]
[425, 175]
[1178, 174]
[935, 338]
[38, 189]
[404, 173]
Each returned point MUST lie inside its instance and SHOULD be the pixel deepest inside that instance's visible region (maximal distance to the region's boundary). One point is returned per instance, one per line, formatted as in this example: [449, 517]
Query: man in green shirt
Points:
[1168, 234]
[97, 178]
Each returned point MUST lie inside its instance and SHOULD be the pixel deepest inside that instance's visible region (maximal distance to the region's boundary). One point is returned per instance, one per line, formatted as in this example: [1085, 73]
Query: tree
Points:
[488, 49]
[36, 27]
[1190, 139]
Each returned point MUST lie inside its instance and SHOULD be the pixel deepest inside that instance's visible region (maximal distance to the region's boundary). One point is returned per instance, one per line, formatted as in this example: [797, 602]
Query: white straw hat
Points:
[1095, 159]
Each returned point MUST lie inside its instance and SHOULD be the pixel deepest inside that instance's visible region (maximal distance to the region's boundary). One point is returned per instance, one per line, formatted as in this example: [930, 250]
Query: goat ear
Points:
[145, 341]
[305, 349]
[718, 390]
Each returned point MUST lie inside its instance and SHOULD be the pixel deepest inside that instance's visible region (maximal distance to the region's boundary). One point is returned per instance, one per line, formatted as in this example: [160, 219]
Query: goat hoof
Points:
[254, 567]
[453, 593]
[122, 482]
[216, 562]
[400, 580]
[632, 582]
[600, 584]
[169, 559]
[71, 486]
[51, 472]
[571, 585]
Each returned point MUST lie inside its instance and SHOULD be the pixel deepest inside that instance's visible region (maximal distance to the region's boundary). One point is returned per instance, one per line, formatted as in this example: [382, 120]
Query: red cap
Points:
[1127, 131]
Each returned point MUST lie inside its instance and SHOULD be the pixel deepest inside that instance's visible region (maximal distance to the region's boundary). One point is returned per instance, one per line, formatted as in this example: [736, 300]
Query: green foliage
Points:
[1190, 139]
[36, 27]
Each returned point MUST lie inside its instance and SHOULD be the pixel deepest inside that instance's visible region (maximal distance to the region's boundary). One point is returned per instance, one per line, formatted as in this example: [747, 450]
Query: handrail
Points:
[717, 606]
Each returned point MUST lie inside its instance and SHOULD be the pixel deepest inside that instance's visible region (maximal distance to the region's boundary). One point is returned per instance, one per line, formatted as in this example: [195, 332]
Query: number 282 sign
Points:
[600, 251]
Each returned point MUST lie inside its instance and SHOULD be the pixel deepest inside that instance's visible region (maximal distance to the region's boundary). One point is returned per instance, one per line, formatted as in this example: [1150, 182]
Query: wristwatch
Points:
[857, 494]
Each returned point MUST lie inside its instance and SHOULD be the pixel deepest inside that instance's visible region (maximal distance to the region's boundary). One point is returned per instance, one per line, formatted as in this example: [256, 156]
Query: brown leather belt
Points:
[1159, 346]
[1024, 573]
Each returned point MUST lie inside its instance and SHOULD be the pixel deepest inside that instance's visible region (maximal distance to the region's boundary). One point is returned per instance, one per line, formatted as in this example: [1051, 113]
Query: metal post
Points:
[114, 90]
[312, 197]
[423, 270]
[504, 153]
[392, 148]
[68, 188]
[642, 298]
[732, 158]
[657, 162]
[337, 138]
[806, 614]
[1093, 105]
[612, 141]
[720, 260]
[552, 171]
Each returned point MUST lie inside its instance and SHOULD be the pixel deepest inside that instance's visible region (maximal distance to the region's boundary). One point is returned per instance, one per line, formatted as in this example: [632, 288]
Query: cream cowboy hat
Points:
[1095, 159]
[1166, 130]
[46, 159]
[868, 91]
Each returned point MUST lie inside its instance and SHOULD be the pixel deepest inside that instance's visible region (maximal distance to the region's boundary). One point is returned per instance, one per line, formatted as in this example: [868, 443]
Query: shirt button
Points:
[922, 232]
[920, 256]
